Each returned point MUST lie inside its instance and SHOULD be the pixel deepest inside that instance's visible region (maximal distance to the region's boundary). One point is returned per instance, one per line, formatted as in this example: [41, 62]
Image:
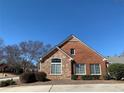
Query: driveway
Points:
[67, 88]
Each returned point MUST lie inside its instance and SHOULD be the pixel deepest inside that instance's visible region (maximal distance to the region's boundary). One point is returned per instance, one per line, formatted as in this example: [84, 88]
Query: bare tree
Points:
[12, 54]
[1, 49]
[33, 50]
[27, 66]
[25, 55]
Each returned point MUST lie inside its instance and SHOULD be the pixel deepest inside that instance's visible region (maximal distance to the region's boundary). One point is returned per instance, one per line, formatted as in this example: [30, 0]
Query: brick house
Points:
[72, 57]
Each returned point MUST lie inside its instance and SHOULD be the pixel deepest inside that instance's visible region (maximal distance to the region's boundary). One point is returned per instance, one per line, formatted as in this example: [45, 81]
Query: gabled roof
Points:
[56, 47]
[64, 52]
[73, 36]
[116, 59]
[66, 40]
[3, 65]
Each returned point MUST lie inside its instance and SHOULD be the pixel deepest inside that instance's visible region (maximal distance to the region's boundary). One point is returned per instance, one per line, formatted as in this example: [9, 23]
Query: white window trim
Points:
[40, 69]
[100, 70]
[74, 51]
[55, 63]
[84, 69]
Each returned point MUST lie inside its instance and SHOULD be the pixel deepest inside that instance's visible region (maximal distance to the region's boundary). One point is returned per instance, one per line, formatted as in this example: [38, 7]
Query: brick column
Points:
[87, 69]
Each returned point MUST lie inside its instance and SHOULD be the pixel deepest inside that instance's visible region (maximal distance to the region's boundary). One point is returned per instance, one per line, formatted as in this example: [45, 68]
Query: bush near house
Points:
[107, 77]
[90, 77]
[27, 77]
[86, 77]
[7, 83]
[116, 71]
[74, 77]
[30, 77]
[40, 76]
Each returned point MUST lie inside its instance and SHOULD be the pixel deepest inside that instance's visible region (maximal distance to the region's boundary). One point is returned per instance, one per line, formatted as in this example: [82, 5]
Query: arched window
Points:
[56, 66]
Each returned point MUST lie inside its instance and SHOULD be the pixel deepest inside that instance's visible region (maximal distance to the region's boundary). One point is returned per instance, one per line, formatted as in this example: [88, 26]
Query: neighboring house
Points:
[116, 59]
[3, 67]
[72, 57]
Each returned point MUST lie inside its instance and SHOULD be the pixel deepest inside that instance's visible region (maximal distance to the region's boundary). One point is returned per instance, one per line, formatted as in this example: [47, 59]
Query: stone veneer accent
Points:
[66, 66]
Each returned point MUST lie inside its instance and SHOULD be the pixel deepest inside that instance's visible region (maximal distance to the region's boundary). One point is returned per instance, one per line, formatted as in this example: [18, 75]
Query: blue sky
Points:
[98, 23]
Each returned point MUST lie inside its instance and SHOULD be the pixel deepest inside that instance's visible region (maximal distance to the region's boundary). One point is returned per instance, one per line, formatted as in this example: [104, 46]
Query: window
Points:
[72, 51]
[95, 69]
[56, 66]
[80, 69]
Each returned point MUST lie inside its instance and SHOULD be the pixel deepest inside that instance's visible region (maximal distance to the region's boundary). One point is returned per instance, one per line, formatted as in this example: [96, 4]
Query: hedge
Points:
[86, 77]
[7, 83]
[30, 77]
[116, 71]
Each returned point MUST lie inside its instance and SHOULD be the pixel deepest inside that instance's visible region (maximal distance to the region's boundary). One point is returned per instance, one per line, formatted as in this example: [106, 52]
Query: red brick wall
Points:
[85, 55]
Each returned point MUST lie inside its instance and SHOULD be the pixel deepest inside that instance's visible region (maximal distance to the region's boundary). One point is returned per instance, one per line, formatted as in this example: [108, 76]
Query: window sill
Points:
[95, 74]
[80, 74]
[55, 74]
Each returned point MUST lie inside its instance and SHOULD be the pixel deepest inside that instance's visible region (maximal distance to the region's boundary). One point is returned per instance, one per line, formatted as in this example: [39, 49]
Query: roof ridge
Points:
[58, 47]
[82, 43]
[90, 47]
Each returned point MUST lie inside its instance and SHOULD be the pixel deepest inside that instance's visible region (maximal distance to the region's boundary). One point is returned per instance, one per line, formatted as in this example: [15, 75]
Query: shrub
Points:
[30, 77]
[40, 76]
[90, 77]
[116, 71]
[11, 82]
[84, 77]
[107, 77]
[87, 77]
[27, 77]
[19, 71]
[4, 83]
[96, 77]
[7, 83]
[74, 77]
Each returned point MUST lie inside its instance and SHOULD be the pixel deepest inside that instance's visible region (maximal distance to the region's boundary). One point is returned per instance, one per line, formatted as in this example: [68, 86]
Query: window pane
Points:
[77, 68]
[56, 60]
[97, 69]
[56, 66]
[58, 69]
[72, 51]
[80, 69]
[53, 70]
[94, 69]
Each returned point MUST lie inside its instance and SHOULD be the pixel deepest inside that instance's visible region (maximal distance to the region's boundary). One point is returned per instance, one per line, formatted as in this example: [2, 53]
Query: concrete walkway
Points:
[14, 78]
[67, 88]
[43, 88]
